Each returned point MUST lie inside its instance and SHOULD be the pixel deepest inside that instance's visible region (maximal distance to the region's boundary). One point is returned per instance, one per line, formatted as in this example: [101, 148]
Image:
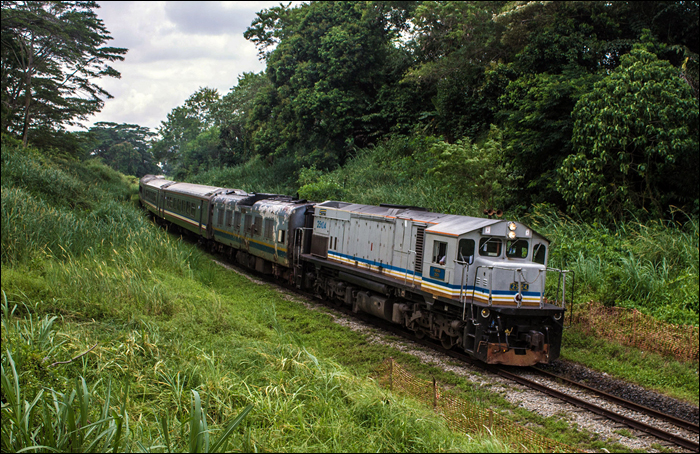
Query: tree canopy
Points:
[124, 147]
[589, 106]
[52, 52]
[636, 141]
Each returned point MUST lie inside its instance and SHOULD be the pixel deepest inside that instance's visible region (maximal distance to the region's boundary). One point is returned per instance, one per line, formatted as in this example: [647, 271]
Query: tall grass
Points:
[396, 171]
[652, 266]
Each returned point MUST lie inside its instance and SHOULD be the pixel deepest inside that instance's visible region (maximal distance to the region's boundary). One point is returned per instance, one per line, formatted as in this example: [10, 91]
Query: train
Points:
[473, 283]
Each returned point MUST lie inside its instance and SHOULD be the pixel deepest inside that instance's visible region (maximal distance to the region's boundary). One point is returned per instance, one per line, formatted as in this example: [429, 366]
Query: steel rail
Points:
[687, 425]
[630, 422]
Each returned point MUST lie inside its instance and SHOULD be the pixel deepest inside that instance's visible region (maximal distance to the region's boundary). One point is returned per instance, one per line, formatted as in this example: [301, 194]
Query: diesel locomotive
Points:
[473, 283]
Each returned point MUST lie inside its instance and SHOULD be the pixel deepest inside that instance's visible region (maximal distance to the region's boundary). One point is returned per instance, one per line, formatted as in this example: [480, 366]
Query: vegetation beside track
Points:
[168, 321]
[175, 344]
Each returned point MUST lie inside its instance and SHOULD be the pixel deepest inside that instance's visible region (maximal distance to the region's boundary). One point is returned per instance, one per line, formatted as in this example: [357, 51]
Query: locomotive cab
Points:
[495, 273]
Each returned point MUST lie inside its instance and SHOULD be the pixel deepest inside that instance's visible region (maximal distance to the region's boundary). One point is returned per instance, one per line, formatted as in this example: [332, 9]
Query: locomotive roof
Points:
[447, 224]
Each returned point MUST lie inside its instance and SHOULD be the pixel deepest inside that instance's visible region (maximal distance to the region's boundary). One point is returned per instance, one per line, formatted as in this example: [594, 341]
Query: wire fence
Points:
[633, 328]
[469, 417]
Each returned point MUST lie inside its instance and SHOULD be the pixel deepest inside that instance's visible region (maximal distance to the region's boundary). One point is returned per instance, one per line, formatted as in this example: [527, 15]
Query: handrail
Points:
[561, 284]
[462, 298]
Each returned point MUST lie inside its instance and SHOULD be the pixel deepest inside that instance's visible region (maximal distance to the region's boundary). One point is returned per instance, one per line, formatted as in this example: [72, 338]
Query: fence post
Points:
[491, 420]
[434, 394]
[391, 374]
[634, 327]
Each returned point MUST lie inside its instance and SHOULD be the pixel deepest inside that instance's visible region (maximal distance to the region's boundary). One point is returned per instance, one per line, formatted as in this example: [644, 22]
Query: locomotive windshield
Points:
[490, 247]
[540, 254]
[517, 249]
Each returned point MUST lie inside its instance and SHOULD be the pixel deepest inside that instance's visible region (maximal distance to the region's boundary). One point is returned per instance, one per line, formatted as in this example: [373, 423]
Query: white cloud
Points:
[174, 49]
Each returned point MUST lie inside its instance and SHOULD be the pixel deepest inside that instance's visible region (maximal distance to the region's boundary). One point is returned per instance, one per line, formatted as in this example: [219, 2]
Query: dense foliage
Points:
[595, 104]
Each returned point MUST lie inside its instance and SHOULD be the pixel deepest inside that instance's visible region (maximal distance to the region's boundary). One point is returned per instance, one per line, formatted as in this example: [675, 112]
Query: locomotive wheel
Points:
[447, 342]
[420, 334]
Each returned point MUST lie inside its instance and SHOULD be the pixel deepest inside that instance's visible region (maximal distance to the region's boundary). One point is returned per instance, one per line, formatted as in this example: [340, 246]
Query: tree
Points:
[184, 123]
[124, 147]
[326, 75]
[202, 153]
[636, 141]
[232, 115]
[475, 172]
[536, 119]
[52, 52]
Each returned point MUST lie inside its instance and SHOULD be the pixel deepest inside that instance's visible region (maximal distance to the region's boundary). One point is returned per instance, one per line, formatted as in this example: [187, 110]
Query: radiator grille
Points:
[420, 235]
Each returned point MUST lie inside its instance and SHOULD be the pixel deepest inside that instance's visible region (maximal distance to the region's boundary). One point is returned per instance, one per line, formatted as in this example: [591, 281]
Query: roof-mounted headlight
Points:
[512, 226]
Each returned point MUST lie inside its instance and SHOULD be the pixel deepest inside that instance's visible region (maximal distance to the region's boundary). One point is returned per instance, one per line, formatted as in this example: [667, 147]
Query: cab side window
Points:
[439, 252]
[465, 252]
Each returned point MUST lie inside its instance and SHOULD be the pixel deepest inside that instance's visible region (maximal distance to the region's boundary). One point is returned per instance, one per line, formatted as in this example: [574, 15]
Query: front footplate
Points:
[501, 354]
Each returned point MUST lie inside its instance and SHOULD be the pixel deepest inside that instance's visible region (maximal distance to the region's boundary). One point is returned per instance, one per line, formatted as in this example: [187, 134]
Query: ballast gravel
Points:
[524, 397]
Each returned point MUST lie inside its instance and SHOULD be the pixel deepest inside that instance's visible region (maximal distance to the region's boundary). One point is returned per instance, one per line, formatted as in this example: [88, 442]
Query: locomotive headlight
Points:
[557, 316]
[512, 226]
[511, 235]
[485, 313]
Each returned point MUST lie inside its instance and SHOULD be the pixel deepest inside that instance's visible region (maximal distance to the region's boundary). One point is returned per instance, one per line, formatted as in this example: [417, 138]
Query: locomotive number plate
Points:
[514, 287]
[437, 273]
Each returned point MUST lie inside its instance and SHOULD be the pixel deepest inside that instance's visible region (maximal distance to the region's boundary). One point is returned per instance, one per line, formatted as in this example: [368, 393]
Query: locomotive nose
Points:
[534, 339]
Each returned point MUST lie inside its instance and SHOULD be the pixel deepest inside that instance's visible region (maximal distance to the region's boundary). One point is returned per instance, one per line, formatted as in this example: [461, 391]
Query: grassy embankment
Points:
[651, 266]
[177, 344]
[167, 321]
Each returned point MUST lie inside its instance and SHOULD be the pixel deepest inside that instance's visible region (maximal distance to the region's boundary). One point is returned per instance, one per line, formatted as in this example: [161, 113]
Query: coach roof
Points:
[196, 190]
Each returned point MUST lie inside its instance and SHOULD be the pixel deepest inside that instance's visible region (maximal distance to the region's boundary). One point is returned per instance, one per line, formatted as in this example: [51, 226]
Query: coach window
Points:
[268, 228]
[517, 249]
[490, 247]
[247, 222]
[280, 236]
[257, 225]
[465, 252]
[540, 253]
[439, 252]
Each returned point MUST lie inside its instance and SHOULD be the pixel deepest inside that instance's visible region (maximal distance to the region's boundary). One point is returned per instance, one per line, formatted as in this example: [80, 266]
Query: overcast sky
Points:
[174, 48]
